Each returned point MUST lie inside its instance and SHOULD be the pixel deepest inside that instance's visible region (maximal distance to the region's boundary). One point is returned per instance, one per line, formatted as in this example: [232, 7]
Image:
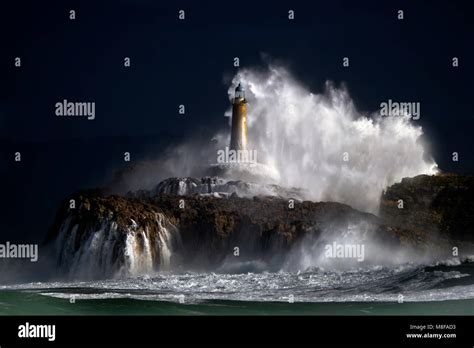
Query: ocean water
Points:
[439, 289]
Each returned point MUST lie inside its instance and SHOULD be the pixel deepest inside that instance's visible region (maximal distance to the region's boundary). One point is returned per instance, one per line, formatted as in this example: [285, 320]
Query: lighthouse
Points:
[238, 136]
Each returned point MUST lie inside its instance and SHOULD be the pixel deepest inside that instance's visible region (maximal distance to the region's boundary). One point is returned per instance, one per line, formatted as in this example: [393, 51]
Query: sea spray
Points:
[353, 247]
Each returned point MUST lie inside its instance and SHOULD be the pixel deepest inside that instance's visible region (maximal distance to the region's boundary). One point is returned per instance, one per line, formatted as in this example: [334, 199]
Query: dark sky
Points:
[190, 62]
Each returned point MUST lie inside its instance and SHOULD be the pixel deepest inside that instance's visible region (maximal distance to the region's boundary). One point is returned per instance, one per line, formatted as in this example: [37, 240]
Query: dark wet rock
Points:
[438, 206]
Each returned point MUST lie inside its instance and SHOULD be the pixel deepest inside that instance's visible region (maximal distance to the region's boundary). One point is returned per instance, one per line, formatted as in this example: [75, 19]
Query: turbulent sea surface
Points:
[439, 289]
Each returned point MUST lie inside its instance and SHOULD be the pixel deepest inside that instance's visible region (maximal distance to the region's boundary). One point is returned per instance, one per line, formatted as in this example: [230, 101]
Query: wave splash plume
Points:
[321, 143]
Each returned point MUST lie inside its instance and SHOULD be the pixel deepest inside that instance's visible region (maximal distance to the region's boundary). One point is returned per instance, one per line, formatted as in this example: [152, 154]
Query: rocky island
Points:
[202, 222]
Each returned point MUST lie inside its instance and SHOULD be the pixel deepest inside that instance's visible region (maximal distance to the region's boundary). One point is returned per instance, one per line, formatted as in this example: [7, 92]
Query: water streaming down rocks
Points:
[94, 242]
